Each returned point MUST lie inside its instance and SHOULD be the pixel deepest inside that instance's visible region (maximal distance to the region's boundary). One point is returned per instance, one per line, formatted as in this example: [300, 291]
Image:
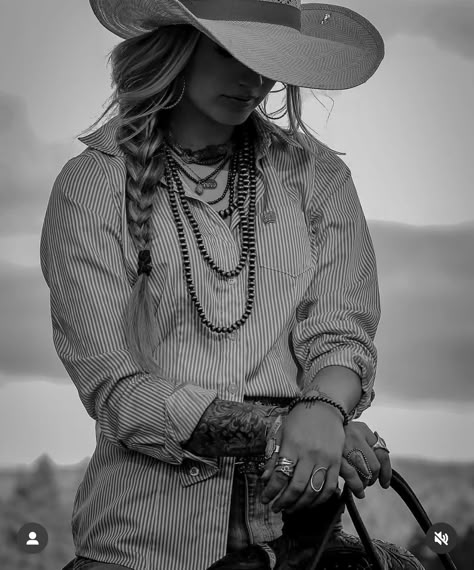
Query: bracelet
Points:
[320, 399]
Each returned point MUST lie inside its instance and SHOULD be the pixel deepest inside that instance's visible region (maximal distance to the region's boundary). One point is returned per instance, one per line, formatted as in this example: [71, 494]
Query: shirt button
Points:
[194, 471]
[231, 281]
[233, 388]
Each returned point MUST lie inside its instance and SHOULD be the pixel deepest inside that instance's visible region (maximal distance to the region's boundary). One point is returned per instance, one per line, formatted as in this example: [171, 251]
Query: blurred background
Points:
[407, 135]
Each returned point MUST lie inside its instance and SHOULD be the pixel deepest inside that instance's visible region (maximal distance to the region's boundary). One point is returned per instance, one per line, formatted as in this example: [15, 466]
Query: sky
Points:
[407, 135]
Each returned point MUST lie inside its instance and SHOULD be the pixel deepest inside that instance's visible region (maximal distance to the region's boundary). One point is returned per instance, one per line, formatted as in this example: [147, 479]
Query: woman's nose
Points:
[251, 79]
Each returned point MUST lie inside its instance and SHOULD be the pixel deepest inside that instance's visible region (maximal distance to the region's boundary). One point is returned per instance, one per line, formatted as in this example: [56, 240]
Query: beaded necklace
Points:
[243, 162]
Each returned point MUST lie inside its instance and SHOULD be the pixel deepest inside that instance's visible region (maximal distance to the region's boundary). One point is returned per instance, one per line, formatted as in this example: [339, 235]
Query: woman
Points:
[256, 283]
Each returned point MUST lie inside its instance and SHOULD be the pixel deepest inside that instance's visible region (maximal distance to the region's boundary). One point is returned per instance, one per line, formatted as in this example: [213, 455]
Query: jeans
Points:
[250, 522]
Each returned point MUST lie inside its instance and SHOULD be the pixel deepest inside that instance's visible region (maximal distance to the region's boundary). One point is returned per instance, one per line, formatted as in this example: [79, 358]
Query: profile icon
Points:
[32, 541]
[32, 538]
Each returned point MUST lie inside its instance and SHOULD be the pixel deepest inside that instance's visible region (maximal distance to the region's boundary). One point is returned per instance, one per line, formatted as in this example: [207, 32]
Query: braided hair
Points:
[146, 75]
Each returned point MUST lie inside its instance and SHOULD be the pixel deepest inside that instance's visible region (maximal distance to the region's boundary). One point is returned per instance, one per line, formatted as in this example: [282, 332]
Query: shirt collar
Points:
[104, 138]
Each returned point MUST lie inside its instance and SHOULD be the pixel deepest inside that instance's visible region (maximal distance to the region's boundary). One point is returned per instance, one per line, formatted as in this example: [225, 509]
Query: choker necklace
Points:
[206, 156]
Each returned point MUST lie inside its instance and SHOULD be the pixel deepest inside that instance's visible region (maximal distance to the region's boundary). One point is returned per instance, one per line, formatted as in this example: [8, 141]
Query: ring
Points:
[270, 448]
[362, 473]
[380, 443]
[286, 470]
[313, 474]
[286, 461]
[286, 466]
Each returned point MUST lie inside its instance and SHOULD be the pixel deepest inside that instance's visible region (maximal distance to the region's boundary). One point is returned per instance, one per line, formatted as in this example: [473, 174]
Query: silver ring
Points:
[270, 448]
[380, 443]
[286, 461]
[287, 470]
[369, 476]
[324, 480]
[286, 466]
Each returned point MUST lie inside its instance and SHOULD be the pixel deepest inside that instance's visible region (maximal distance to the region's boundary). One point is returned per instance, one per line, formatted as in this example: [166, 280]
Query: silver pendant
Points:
[209, 184]
[199, 189]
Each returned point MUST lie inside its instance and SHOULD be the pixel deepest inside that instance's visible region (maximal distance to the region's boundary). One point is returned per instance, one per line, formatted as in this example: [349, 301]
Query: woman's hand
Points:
[312, 436]
[375, 465]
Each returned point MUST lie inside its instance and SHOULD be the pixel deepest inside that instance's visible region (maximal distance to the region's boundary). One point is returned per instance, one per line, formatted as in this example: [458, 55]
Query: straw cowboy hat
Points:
[320, 46]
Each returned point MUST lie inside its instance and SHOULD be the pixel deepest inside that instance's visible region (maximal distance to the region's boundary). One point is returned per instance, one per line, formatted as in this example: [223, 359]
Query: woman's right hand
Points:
[358, 436]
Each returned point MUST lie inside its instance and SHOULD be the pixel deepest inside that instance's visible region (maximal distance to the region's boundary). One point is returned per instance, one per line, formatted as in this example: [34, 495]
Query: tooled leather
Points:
[343, 552]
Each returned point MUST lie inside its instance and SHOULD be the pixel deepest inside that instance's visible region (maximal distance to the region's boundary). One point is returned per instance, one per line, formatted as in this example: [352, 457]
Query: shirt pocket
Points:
[282, 241]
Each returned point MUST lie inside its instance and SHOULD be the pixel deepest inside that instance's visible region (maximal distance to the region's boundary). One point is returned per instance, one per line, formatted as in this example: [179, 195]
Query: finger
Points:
[365, 462]
[351, 477]
[269, 467]
[276, 483]
[295, 487]
[330, 484]
[311, 493]
[385, 474]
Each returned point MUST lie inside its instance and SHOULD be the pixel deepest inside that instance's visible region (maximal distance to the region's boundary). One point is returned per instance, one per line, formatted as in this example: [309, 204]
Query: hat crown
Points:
[277, 12]
[294, 3]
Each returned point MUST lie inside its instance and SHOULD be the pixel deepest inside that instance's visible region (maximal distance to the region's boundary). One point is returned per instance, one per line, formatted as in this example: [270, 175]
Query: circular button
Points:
[231, 281]
[441, 538]
[233, 388]
[194, 471]
[32, 538]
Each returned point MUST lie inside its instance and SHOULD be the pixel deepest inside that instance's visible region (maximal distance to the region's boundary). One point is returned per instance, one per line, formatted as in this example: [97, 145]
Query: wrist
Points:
[339, 383]
[310, 401]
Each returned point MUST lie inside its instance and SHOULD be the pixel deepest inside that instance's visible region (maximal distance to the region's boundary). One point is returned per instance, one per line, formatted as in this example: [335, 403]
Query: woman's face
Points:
[212, 75]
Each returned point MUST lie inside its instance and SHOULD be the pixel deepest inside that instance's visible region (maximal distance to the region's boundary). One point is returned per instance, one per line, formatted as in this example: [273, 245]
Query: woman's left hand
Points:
[371, 464]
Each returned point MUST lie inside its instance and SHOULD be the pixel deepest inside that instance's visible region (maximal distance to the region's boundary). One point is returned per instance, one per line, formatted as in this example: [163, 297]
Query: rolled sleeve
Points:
[83, 266]
[338, 319]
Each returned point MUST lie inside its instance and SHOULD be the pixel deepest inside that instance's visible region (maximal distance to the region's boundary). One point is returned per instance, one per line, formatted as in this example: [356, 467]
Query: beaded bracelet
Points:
[320, 399]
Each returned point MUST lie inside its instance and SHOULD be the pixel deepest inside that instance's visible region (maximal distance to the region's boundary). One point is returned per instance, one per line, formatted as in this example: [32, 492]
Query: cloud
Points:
[449, 23]
[425, 338]
[426, 334]
[28, 168]
[26, 346]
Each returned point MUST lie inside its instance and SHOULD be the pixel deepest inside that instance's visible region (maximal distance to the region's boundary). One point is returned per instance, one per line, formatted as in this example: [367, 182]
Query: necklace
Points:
[246, 186]
[208, 182]
[206, 156]
[226, 212]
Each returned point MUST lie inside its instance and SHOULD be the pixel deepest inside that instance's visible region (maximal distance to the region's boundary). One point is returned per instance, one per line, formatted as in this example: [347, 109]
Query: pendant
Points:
[209, 184]
[199, 189]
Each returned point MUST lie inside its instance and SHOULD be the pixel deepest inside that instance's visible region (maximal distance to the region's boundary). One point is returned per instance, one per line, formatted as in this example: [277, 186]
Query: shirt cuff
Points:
[183, 411]
[362, 365]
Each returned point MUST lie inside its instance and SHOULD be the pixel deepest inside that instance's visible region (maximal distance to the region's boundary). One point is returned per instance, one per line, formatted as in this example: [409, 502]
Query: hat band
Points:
[246, 11]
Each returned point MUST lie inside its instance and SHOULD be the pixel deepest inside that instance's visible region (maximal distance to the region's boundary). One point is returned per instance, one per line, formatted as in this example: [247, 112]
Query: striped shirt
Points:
[145, 502]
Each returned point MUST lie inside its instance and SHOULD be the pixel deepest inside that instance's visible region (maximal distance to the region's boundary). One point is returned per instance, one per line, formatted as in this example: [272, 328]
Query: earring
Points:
[181, 96]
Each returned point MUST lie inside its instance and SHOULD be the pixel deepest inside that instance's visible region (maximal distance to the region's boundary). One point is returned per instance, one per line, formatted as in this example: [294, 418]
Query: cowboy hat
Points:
[320, 46]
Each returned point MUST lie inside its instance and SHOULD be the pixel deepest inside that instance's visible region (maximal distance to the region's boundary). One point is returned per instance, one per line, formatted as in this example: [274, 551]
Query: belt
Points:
[255, 464]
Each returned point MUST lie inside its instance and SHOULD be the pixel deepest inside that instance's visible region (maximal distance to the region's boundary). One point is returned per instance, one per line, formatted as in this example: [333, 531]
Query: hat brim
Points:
[340, 54]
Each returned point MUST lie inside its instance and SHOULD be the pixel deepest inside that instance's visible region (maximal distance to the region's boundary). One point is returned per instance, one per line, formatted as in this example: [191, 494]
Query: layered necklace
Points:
[243, 164]
[209, 156]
